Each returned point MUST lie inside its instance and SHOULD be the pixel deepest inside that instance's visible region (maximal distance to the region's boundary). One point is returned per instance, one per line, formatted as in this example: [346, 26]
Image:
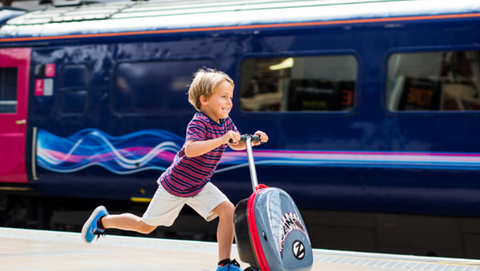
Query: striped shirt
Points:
[188, 175]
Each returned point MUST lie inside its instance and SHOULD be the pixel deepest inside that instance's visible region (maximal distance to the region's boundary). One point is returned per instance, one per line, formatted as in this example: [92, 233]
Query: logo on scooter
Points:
[298, 249]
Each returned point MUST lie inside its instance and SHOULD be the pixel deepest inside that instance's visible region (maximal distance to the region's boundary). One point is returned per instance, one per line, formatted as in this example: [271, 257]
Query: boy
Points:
[187, 180]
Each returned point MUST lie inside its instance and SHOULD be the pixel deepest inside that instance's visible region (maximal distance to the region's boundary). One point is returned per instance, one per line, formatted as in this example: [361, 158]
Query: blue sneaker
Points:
[90, 228]
[231, 266]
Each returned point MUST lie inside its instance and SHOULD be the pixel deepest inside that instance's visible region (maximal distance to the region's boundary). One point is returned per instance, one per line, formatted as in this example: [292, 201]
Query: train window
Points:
[74, 76]
[74, 89]
[281, 84]
[152, 88]
[434, 81]
[8, 90]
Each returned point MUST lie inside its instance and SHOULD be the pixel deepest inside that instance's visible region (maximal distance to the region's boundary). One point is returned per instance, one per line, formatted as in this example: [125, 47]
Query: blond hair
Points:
[204, 83]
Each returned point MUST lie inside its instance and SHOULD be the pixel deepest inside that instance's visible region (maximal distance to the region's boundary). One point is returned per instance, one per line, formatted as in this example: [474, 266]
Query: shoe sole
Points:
[89, 221]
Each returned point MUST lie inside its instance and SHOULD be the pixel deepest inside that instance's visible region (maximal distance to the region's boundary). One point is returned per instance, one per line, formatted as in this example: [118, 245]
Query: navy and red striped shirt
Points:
[186, 176]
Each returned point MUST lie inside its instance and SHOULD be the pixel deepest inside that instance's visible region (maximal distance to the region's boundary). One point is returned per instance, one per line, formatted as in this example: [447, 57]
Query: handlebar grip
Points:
[243, 138]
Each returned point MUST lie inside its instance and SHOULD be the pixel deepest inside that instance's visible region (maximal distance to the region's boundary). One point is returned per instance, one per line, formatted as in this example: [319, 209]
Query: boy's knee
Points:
[147, 229]
[225, 209]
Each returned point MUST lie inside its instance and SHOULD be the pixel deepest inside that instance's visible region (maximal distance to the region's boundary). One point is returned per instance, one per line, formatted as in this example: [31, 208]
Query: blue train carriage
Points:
[370, 106]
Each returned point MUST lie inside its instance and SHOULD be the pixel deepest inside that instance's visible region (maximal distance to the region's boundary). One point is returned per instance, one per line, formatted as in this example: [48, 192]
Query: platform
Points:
[29, 250]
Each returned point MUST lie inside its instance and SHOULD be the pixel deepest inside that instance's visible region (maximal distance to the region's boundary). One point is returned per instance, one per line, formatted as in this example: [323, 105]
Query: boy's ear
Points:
[203, 100]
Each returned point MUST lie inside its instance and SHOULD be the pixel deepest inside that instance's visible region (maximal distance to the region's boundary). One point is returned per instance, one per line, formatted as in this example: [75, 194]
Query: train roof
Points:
[6, 13]
[199, 15]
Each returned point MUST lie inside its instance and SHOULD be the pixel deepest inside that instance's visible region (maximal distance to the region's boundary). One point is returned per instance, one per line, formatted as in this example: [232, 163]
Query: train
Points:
[370, 106]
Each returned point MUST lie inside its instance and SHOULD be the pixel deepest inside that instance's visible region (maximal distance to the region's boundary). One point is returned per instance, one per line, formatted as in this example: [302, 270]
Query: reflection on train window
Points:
[319, 83]
[74, 89]
[154, 88]
[434, 81]
[8, 90]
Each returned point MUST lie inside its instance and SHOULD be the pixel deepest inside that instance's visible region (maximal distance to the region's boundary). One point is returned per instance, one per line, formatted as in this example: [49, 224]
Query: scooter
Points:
[269, 230]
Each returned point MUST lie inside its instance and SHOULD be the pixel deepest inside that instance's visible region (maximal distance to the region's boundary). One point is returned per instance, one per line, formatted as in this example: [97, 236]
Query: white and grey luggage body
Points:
[269, 230]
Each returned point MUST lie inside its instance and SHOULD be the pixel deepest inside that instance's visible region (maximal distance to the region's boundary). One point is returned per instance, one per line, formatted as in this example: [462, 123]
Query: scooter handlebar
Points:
[243, 138]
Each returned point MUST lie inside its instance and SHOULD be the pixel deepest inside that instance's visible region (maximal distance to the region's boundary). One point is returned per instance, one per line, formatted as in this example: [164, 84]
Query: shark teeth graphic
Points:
[289, 222]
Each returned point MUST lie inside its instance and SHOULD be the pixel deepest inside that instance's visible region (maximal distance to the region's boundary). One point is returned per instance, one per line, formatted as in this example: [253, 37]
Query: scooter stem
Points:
[251, 163]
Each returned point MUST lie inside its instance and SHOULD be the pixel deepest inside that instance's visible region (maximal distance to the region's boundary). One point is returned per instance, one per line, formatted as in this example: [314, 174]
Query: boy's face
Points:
[218, 106]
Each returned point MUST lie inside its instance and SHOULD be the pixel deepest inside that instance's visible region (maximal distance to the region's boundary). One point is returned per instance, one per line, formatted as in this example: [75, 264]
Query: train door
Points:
[14, 71]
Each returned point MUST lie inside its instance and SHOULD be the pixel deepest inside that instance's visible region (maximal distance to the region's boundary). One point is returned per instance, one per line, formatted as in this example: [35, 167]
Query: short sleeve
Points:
[196, 130]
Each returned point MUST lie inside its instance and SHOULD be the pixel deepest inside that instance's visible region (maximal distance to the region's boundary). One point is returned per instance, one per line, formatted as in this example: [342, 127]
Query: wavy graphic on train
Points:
[143, 150]
[155, 149]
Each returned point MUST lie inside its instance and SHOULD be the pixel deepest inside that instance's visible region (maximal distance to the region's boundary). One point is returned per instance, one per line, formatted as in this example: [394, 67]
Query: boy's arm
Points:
[196, 148]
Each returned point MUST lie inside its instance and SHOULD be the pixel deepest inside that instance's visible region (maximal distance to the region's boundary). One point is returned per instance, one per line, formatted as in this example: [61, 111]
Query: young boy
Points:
[187, 180]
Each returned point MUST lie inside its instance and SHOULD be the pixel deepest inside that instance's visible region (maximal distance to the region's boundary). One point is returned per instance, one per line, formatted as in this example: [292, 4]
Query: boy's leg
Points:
[128, 222]
[225, 230]
[162, 210]
[100, 220]
[210, 203]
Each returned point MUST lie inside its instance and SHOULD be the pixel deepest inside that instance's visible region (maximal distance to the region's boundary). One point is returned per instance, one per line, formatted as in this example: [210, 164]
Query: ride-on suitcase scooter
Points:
[269, 230]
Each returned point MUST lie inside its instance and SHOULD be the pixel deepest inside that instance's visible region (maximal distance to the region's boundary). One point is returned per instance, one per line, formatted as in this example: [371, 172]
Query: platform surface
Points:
[22, 249]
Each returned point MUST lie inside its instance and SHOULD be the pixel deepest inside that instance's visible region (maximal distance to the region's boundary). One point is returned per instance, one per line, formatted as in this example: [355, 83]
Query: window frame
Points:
[184, 113]
[413, 50]
[358, 83]
[57, 85]
[2, 84]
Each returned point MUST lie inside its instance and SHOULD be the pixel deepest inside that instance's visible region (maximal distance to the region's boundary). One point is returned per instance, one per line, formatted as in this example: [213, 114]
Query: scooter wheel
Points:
[251, 269]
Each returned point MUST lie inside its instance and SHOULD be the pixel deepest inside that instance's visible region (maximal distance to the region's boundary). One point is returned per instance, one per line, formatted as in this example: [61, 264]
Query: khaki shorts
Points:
[165, 207]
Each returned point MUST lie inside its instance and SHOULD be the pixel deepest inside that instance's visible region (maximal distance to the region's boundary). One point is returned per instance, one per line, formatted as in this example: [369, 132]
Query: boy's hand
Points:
[234, 136]
[263, 138]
